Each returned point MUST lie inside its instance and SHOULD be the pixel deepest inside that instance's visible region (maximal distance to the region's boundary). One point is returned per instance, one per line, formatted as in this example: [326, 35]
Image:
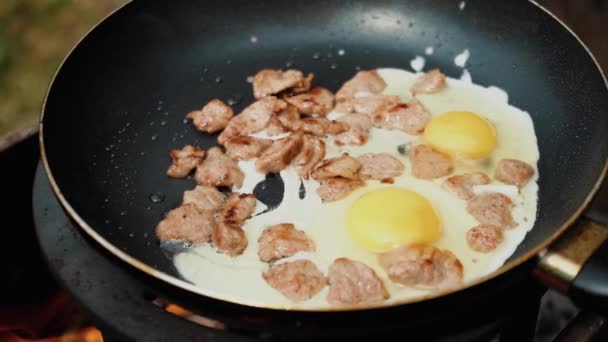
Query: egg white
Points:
[239, 279]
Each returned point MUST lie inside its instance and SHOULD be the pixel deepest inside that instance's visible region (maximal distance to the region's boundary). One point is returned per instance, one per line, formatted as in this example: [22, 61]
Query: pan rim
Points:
[184, 285]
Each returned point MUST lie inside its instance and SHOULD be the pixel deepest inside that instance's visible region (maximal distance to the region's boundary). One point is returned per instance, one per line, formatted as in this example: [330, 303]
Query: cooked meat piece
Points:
[290, 118]
[354, 120]
[368, 105]
[343, 166]
[379, 166]
[422, 266]
[428, 163]
[269, 82]
[237, 208]
[229, 239]
[278, 156]
[492, 208]
[334, 189]
[364, 82]
[484, 238]
[514, 172]
[228, 236]
[462, 185]
[219, 170]
[246, 147]
[318, 101]
[204, 197]
[431, 82]
[275, 127]
[304, 86]
[252, 119]
[212, 118]
[297, 280]
[353, 136]
[281, 241]
[336, 127]
[409, 117]
[184, 161]
[311, 154]
[315, 126]
[186, 223]
[352, 282]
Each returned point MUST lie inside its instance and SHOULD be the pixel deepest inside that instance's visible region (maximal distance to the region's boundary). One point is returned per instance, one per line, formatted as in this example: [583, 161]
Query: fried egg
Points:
[474, 124]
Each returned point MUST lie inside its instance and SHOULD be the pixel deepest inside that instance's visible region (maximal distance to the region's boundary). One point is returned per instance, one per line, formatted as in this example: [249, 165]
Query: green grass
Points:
[35, 35]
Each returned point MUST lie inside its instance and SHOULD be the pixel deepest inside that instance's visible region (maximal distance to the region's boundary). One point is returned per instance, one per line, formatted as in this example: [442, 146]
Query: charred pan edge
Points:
[192, 288]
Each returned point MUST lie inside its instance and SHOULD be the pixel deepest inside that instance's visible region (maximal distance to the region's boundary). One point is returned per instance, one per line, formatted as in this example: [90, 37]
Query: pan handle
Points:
[577, 265]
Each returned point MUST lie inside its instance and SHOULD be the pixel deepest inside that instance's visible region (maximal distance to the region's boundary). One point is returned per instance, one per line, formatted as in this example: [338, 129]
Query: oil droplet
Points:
[234, 100]
[119, 227]
[156, 197]
[163, 123]
[155, 137]
[131, 235]
[142, 153]
[316, 55]
[152, 123]
[123, 213]
[219, 79]
[288, 64]
[128, 124]
[253, 39]
[341, 52]
[333, 66]
[107, 221]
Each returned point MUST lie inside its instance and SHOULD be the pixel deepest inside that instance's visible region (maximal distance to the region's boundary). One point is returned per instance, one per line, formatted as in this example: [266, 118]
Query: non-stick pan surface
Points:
[117, 105]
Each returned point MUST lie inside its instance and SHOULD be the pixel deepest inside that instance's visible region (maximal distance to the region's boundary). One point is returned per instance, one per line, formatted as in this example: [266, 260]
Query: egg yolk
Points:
[383, 219]
[461, 134]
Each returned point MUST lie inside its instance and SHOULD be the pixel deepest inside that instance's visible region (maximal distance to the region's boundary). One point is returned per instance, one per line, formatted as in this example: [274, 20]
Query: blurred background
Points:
[35, 35]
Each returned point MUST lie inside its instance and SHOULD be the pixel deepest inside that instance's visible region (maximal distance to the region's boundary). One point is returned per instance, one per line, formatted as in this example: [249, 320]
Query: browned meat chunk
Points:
[364, 81]
[311, 154]
[238, 208]
[204, 197]
[212, 118]
[318, 101]
[336, 127]
[422, 266]
[462, 185]
[228, 237]
[186, 223]
[343, 166]
[431, 82]
[379, 166]
[353, 136]
[360, 121]
[290, 118]
[246, 147]
[281, 241]
[315, 126]
[252, 119]
[352, 282]
[514, 172]
[484, 238]
[269, 82]
[367, 105]
[184, 161]
[275, 127]
[278, 156]
[304, 86]
[219, 170]
[409, 117]
[428, 163]
[334, 189]
[492, 208]
[297, 280]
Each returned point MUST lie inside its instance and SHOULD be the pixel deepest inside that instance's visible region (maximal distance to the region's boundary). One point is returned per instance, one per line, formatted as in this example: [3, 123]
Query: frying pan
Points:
[117, 105]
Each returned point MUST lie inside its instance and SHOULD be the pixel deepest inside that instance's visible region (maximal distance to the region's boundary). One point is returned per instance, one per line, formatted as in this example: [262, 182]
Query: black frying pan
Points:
[116, 106]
